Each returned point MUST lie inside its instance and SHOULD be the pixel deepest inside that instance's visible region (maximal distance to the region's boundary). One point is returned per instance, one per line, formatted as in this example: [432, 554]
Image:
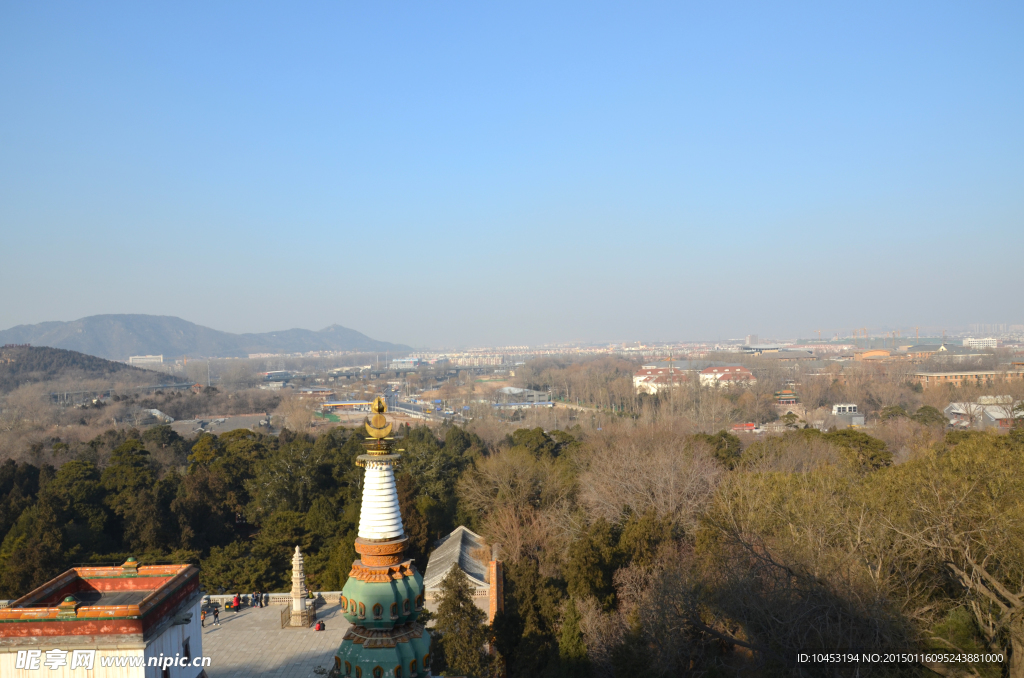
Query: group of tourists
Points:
[216, 616]
[256, 600]
[236, 601]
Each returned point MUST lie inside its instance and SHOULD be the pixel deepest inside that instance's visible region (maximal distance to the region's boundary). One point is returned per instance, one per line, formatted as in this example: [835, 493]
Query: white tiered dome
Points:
[380, 516]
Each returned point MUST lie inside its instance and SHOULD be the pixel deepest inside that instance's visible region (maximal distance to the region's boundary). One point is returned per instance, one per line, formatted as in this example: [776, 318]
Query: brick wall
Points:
[496, 595]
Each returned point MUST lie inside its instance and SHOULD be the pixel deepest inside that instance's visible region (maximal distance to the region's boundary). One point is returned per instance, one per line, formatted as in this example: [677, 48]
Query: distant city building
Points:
[977, 377]
[731, 375]
[89, 617]
[847, 414]
[511, 394]
[751, 340]
[758, 349]
[277, 375]
[317, 393]
[988, 342]
[354, 405]
[651, 379]
[947, 352]
[793, 354]
[986, 412]
[405, 363]
[145, 360]
[999, 328]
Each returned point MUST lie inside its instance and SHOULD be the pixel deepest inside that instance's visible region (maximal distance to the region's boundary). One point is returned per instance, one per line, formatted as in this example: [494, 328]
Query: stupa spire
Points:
[383, 596]
[380, 517]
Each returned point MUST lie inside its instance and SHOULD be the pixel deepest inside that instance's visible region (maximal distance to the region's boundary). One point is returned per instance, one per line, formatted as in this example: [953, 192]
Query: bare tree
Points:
[298, 412]
[653, 469]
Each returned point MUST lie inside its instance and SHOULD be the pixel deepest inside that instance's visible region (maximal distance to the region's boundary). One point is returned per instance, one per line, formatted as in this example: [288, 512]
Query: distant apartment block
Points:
[988, 342]
[976, 377]
[145, 360]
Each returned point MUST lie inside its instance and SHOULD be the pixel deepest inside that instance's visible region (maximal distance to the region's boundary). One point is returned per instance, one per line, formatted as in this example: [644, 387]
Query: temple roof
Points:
[464, 548]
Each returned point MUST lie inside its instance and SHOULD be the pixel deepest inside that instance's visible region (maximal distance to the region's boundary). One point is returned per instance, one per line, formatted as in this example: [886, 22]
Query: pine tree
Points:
[571, 649]
[460, 626]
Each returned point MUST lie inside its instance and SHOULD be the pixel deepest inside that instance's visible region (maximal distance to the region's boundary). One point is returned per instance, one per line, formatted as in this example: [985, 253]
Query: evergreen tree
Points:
[416, 528]
[571, 649]
[459, 625]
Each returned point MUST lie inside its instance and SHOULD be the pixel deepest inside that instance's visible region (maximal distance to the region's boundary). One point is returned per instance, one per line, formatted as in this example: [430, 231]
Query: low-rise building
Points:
[145, 360]
[847, 414]
[959, 378]
[946, 352]
[512, 394]
[317, 393]
[652, 379]
[1001, 412]
[988, 342]
[729, 375]
[872, 354]
[119, 622]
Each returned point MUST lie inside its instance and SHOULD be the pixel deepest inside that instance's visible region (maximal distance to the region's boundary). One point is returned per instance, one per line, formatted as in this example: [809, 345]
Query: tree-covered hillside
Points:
[34, 364]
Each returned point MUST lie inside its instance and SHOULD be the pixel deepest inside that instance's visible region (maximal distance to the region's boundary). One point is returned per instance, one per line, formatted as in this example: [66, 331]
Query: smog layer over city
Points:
[511, 341]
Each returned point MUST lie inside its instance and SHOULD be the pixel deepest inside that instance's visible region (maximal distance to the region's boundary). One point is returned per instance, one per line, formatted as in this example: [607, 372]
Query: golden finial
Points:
[378, 427]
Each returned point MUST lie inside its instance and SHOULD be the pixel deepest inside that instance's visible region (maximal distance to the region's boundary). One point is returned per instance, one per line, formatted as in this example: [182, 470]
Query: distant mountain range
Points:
[117, 337]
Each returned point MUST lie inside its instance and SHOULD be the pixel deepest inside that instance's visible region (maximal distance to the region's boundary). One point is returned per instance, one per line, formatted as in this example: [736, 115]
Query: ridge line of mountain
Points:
[119, 336]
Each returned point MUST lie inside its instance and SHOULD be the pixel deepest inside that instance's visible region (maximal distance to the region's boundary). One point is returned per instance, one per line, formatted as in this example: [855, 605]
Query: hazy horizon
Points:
[468, 176]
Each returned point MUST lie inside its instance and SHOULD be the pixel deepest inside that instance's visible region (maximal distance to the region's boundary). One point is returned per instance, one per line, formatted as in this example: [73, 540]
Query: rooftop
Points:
[464, 548]
[251, 642]
[133, 599]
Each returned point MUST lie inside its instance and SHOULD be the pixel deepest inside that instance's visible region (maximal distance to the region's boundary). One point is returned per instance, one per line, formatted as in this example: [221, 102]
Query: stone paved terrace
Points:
[252, 643]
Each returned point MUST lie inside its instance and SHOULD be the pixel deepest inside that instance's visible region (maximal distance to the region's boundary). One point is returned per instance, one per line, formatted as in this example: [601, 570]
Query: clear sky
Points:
[444, 174]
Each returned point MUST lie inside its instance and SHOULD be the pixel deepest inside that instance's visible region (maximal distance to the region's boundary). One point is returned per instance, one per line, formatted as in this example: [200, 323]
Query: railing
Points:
[307, 616]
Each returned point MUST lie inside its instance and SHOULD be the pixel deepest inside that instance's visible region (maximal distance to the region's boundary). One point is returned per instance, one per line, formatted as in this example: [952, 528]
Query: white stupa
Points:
[380, 517]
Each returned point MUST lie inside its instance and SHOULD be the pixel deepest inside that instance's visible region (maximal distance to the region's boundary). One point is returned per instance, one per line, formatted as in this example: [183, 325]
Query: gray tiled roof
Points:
[464, 548]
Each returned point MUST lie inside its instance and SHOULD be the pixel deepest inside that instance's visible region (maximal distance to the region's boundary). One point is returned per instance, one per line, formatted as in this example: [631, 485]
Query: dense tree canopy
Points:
[645, 549]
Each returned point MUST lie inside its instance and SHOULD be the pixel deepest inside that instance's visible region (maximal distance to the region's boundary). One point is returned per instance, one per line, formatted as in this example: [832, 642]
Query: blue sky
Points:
[445, 174]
